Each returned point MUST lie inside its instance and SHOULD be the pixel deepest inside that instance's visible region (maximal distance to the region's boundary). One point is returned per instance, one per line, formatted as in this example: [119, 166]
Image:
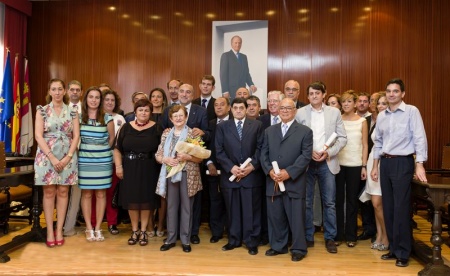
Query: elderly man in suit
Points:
[234, 72]
[217, 212]
[198, 121]
[274, 99]
[206, 100]
[324, 121]
[290, 145]
[237, 140]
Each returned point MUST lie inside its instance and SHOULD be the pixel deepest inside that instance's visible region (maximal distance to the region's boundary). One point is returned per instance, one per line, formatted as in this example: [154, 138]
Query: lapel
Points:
[327, 122]
[192, 114]
[246, 128]
[233, 129]
[290, 131]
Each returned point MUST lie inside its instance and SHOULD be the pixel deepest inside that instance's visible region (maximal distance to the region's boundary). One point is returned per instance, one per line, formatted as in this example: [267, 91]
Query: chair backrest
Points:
[2, 156]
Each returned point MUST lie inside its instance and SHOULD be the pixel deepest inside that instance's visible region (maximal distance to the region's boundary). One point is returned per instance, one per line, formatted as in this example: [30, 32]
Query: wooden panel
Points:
[357, 44]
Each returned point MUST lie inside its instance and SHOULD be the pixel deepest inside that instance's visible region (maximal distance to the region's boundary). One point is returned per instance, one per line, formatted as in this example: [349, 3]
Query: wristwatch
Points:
[70, 154]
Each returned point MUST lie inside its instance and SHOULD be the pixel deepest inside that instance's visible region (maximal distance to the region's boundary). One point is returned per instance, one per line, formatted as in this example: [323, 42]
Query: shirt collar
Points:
[288, 123]
[226, 118]
[236, 120]
[207, 98]
[401, 107]
[317, 111]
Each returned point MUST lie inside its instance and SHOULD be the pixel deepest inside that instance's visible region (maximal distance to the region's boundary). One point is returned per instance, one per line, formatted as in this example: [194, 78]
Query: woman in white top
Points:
[373, 188]
[353, 160]
[111, 106]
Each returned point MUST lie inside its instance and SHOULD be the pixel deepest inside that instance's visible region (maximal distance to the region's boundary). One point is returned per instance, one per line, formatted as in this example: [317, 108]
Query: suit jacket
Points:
[230, 151]
[293, 152]
[210, 143]
[333, 123]
[234, 73]
[299, 104]
[265, 120]
[209, 109]
[197, 118]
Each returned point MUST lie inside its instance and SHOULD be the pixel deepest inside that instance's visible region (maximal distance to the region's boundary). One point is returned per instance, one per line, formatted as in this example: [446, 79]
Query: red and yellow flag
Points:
[15, 121]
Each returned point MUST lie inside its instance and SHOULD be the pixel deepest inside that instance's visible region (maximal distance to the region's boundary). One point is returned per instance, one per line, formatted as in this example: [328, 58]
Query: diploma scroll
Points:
[276, 169]
[232, 178]
[330, 141]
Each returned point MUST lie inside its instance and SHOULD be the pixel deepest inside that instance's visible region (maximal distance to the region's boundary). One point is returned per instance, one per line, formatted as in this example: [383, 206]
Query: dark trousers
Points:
[367, 213]
[197, 213]
[244, 215]
[217, 215]
[286, 214]
[347, 191]
[396, 175]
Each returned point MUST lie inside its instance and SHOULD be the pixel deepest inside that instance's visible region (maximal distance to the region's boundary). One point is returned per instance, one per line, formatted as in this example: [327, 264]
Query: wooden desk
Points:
[19, 161]
[437, 192]
[36, 234]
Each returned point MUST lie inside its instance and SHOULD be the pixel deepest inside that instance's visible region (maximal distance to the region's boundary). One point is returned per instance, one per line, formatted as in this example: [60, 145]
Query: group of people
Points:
[268, 176]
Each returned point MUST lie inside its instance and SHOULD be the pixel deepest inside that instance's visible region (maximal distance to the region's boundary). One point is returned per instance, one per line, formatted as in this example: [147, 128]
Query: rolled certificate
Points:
[330, 141]
[241, 167]
[276, 169]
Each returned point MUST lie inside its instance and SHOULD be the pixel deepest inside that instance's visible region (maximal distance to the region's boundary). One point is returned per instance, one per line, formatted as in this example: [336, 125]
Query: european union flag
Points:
[6, 106]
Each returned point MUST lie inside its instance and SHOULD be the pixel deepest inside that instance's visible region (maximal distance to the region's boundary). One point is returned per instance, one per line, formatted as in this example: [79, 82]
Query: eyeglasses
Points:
[286, 108]
[287, 89]
[273, 101]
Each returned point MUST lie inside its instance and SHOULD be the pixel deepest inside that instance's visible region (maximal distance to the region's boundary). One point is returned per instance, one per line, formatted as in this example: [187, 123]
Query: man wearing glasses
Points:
[290, 144]
[291, 90]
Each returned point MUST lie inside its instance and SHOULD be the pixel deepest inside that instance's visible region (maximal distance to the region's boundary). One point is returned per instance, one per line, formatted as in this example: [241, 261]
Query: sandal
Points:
[351, 244]
[143, 239]
[113, 229]
[134, 237]
[99, 236]
[160, 233]
[382, 247]
[151, 234]
[89, 235]
[374, 245]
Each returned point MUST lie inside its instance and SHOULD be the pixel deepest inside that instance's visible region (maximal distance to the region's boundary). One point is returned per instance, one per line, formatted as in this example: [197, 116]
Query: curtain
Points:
[2, 47]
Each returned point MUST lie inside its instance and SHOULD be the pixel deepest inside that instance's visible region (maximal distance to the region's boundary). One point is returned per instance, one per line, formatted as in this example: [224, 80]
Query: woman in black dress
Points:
[134, 156]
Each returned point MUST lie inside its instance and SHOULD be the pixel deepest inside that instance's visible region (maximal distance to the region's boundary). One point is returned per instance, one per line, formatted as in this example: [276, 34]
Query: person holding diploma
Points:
[290, 145]
[324, 121]
[236, 141]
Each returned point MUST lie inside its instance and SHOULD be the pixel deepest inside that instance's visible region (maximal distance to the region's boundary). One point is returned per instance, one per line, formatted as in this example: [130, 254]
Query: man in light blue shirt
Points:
[399, 134]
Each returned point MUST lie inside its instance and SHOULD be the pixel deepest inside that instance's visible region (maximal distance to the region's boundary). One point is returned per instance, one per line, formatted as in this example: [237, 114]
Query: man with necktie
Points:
[206, 100]
[75, 91]
[234, 72]
[235, 141]
[290, 144]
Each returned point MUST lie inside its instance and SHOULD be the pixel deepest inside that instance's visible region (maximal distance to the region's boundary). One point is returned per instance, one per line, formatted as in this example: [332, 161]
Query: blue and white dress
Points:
[95, 156]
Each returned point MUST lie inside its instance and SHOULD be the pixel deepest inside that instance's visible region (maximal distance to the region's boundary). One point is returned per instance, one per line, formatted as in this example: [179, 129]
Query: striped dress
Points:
[95, 156]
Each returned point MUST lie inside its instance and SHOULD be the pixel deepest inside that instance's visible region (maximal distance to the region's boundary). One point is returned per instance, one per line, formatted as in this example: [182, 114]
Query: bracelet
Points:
[118, 167]
[48, 153]
[364, 166]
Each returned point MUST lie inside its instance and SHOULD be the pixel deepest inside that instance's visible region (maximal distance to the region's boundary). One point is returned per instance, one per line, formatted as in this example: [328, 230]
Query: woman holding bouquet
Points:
[134, 157]
[183, 185]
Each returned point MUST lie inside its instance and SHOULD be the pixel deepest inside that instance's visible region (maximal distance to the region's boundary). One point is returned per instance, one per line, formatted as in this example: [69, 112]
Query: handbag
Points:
[115, 198]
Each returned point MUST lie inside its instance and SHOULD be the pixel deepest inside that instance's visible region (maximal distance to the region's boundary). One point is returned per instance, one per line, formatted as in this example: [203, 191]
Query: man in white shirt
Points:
[75, 92]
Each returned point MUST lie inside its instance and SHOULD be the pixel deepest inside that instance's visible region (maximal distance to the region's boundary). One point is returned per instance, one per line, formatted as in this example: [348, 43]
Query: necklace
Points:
[141, 125]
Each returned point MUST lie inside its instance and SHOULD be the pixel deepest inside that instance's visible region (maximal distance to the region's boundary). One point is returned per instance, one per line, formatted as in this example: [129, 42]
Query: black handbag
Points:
[115, 198]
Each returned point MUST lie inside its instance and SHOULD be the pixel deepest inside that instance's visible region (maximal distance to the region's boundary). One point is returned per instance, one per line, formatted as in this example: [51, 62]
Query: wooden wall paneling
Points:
[355, 45]
[104, 45]
[326, 35]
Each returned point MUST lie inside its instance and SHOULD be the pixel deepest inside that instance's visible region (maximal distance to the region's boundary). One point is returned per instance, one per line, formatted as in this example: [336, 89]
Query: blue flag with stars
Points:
[6, 106]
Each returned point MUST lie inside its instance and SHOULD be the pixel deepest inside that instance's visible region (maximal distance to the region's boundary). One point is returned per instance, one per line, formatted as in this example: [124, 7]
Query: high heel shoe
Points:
[90, 236]
[99, 236]
[143, 238]
[382, 247]
[134, 237]
[50, 244]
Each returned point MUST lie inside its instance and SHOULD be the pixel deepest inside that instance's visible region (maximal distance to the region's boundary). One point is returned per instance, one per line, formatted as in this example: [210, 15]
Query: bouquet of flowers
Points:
[192, 146]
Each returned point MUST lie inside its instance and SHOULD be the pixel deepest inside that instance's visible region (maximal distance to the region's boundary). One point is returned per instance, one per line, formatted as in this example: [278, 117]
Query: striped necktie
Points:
[275, 120]
[239, 129]
[284, 129]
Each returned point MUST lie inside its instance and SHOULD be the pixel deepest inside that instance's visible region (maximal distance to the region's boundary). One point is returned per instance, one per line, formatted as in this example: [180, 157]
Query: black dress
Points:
[140, 176]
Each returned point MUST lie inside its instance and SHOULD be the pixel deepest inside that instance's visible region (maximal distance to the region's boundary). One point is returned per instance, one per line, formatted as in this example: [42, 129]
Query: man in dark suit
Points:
[172, 87]
[254, 107]
[292, 90]
[206, 100]
[234, 72]
[290, 145]
[237, 140]
[272, 118]
[217, 213]
[198, 121]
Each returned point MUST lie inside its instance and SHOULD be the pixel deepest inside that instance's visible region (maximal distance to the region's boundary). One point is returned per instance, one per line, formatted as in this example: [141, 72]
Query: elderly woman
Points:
[57, 133]
[134, 157]
[353, 161]
[181, 187]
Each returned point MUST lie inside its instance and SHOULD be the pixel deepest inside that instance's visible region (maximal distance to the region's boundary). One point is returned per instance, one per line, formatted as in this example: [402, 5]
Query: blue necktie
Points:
[239, 129]
[275, 120]
[204, 103]
[284, 129]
